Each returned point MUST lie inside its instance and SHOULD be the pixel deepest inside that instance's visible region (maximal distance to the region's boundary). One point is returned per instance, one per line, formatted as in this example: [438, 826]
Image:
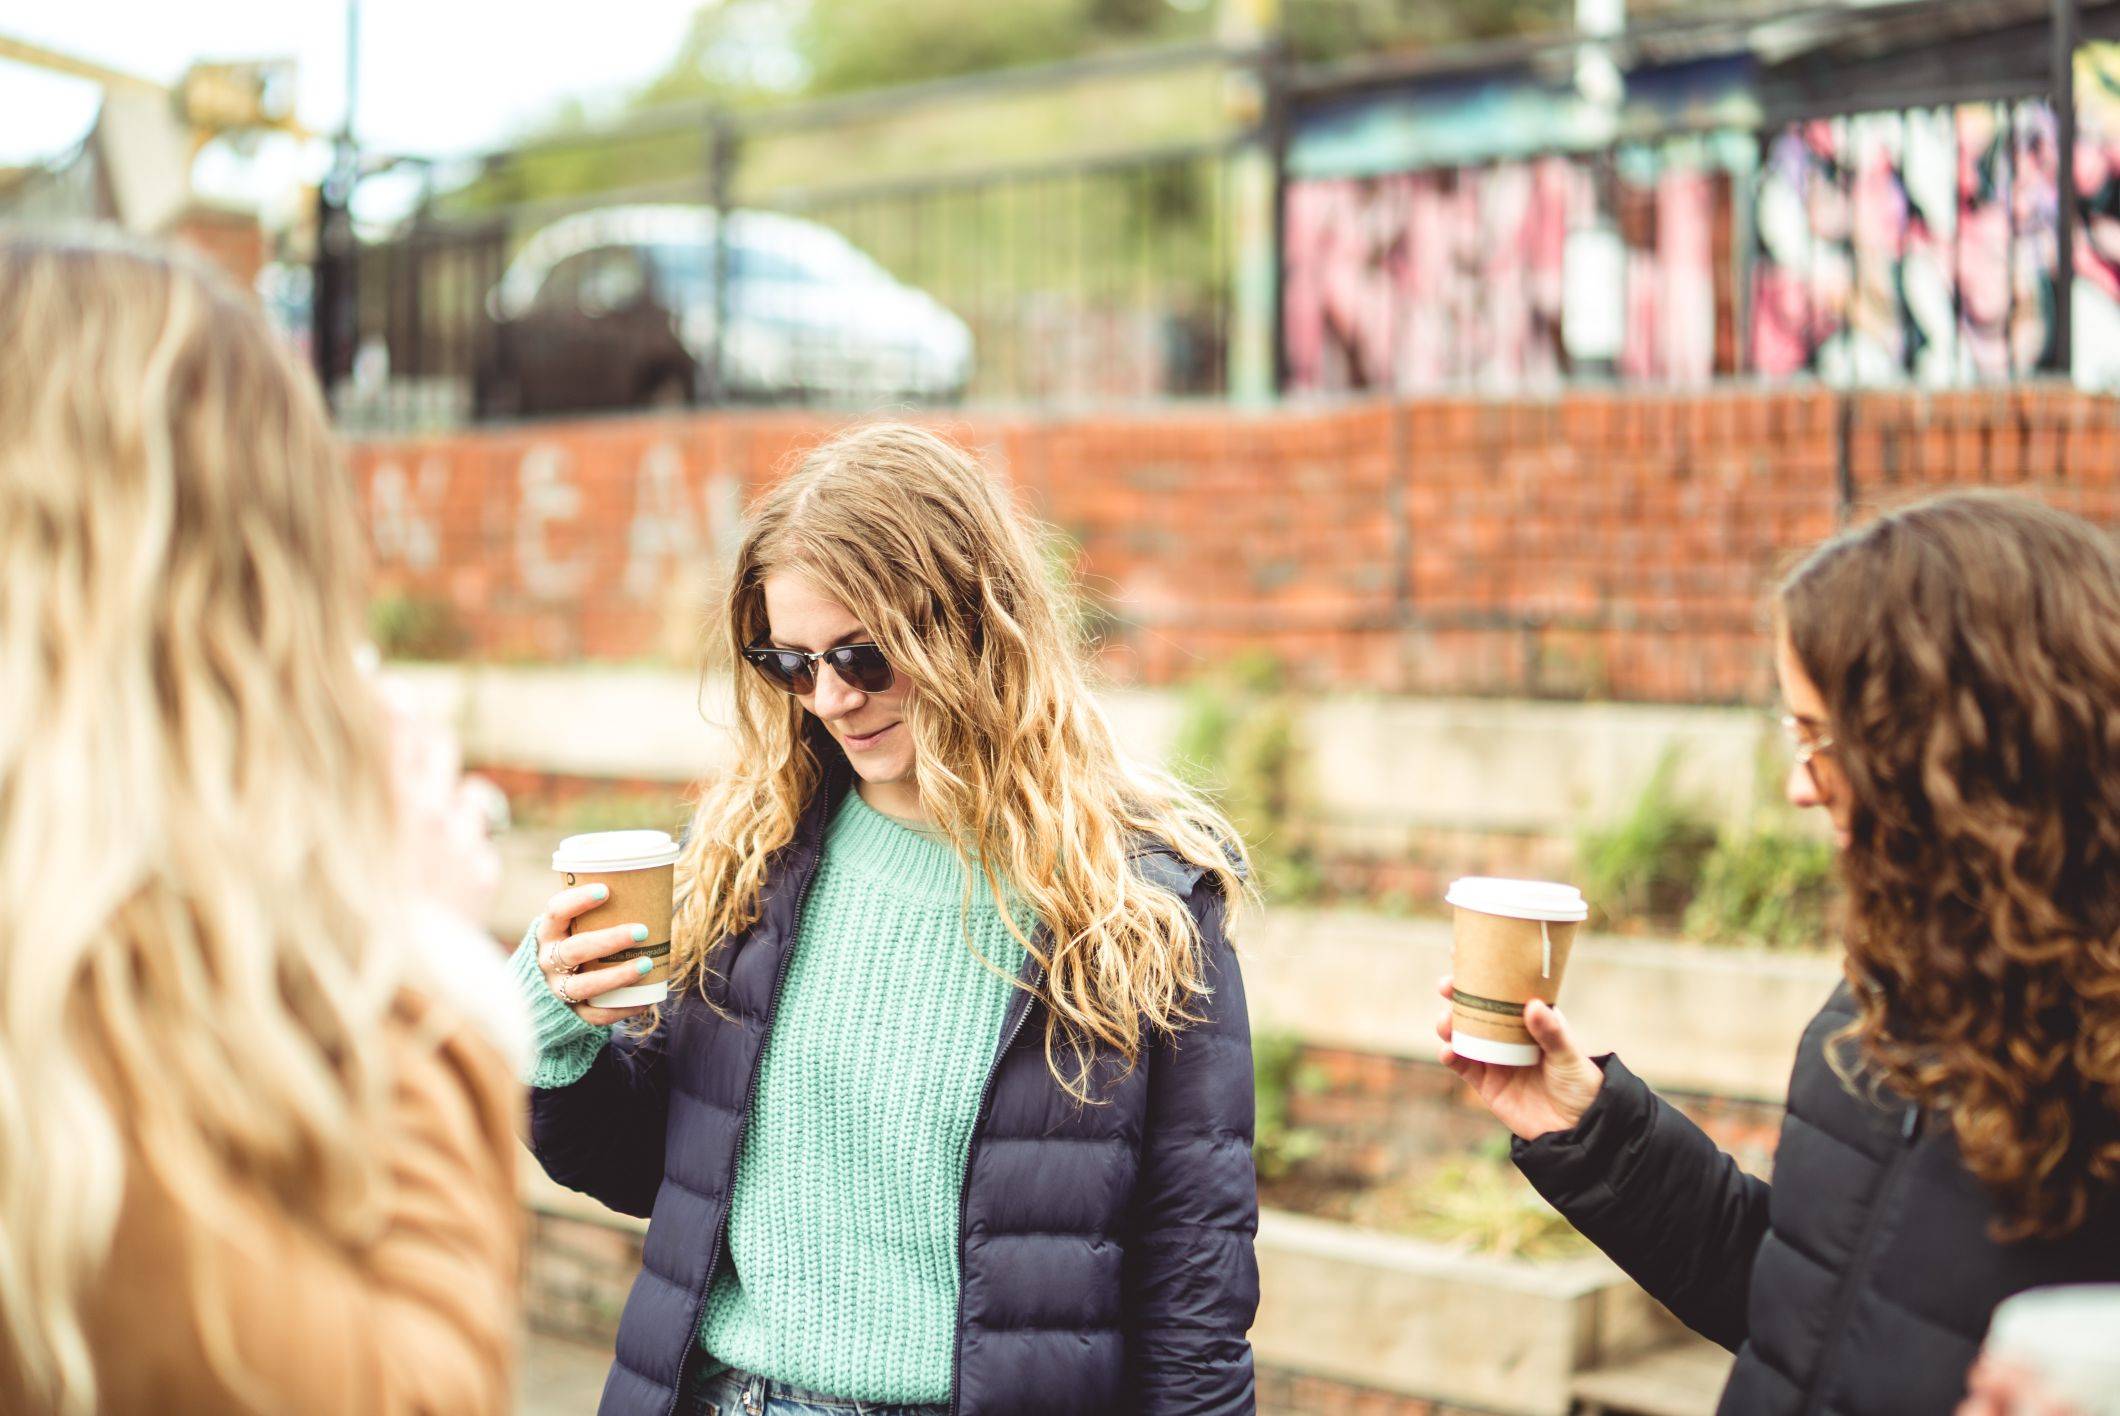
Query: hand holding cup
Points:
[1531, 1101]
[569, 961]
[1510, 941]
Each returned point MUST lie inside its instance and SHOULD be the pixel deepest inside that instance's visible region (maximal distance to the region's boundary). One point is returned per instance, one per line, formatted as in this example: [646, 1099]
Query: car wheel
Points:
[497, 399]
[666, 391]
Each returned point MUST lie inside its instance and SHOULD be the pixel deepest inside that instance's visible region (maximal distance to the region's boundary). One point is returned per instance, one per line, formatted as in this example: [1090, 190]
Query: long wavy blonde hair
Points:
[1016, 763]
[194, 809]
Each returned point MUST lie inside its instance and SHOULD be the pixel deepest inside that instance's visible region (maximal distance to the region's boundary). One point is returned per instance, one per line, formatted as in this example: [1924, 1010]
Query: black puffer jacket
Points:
[1860, 1285]
[1105, 1251]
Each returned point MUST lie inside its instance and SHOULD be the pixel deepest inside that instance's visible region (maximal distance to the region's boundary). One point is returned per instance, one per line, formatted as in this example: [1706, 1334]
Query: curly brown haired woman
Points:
[1951, 674]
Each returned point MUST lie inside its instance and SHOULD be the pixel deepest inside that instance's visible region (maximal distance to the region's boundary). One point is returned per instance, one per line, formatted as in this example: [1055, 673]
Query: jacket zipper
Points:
[964, 1181]
[743, 1125]
[1909, 1135]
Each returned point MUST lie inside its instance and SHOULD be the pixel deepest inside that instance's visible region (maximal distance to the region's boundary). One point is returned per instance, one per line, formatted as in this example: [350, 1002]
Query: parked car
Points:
[615, 308]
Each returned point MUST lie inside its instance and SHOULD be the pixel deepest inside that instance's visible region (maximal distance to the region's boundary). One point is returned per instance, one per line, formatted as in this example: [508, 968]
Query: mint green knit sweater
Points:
[843, 1227]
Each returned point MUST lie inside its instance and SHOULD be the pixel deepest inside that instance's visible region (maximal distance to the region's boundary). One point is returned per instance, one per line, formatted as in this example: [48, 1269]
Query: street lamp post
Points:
[2061, 351]
[333, 325]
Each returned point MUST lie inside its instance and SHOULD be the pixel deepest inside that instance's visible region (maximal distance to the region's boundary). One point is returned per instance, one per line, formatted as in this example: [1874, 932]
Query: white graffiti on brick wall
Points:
[725, 520]
[669, 536]
[405, 513]
[664, 534]
[548, 495]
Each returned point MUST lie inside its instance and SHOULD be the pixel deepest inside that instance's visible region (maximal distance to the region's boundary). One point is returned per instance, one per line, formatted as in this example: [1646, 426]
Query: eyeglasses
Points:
[859, 666]
[1805, 746]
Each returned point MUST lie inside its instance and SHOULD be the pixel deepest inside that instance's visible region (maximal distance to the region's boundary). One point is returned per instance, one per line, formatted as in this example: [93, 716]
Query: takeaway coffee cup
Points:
[1510, 945]
[2065, 1337]
[639, 867]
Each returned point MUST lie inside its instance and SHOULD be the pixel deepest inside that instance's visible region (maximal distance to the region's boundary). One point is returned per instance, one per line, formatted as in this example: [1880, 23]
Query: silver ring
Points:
[561, 987]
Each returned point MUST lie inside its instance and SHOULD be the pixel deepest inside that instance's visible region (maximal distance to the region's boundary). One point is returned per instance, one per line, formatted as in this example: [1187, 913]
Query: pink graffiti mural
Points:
[1921, 245]
[1888, 247]
[1425, 280]
[1917, 244]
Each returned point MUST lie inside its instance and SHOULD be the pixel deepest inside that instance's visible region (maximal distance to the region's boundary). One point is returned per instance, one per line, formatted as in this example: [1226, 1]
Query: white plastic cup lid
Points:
[615, 850]
[2064, 1325]
[1519, 899]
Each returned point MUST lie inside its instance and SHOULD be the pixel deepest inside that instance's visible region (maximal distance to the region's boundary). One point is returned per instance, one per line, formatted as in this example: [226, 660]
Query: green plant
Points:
[1276, 1070]
[1768, 885]
[1201, 743]
[405, 625]
[1646, 867]
[1477, 1203]
[1236, 741]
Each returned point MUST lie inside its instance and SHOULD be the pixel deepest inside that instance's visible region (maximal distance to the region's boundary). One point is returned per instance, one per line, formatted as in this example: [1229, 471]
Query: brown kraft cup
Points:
[1510, 943]
[639, 868]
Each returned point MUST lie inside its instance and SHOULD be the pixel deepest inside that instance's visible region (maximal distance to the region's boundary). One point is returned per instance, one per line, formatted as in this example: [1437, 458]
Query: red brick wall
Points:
[231, 240]
[1610, 545]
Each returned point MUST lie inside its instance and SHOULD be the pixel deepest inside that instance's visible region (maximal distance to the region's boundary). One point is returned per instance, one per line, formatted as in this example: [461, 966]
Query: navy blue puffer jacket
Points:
[1105, 1251]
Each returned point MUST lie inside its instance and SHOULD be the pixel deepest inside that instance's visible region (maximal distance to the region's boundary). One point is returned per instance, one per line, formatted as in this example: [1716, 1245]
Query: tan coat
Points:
[422, 1320]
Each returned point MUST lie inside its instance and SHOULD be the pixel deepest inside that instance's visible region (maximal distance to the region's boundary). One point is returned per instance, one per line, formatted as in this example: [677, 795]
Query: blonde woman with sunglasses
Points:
[951, 1107]
[256, 1117]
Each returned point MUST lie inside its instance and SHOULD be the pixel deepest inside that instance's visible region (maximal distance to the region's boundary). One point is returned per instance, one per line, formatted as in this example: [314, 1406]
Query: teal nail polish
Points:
[603, 892]
[644, 966]
[640, 934]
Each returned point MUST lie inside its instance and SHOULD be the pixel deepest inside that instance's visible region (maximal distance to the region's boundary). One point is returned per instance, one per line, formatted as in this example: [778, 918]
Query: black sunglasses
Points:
[859, 666]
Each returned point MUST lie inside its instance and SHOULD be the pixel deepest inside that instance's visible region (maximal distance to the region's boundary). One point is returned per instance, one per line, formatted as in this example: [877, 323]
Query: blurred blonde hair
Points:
[195, 814]
[1016, 763]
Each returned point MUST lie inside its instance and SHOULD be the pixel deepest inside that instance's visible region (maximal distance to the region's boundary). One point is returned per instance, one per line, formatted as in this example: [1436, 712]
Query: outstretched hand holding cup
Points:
[1502, 1033]
[1530, 1101]
[603, 943]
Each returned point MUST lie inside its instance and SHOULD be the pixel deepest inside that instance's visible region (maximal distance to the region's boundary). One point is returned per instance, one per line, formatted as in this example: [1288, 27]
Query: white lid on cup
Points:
[2065, 1332]
[599, 851]
[1519, 899]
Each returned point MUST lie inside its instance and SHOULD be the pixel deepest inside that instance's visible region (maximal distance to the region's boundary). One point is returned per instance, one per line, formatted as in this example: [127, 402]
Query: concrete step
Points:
[559, 1376]
[1683, 1379]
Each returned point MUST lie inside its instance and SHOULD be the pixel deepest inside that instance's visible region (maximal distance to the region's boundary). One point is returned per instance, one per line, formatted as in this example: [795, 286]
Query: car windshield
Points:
[687, 272]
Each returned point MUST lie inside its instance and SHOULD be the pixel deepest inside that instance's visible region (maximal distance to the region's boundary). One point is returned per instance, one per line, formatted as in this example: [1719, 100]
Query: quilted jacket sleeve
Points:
[603, 1133]
[1192, 1282]
[1650, 1189]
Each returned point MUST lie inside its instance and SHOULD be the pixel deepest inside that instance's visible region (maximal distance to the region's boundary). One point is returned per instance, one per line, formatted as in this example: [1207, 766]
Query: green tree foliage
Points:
[857, 44]
[1338, 29]
[746, 51]
[1345, 29]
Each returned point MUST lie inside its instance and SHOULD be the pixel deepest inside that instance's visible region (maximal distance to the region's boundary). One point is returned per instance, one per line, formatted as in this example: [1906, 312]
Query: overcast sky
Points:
[436, 76]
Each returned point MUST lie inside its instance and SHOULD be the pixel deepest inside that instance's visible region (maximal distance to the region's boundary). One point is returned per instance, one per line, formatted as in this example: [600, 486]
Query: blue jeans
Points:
[718, 1390]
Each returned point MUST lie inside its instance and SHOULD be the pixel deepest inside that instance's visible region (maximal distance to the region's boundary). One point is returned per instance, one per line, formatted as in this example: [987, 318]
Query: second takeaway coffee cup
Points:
[2065, 1337]
[1510, 945]
[639, 867]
